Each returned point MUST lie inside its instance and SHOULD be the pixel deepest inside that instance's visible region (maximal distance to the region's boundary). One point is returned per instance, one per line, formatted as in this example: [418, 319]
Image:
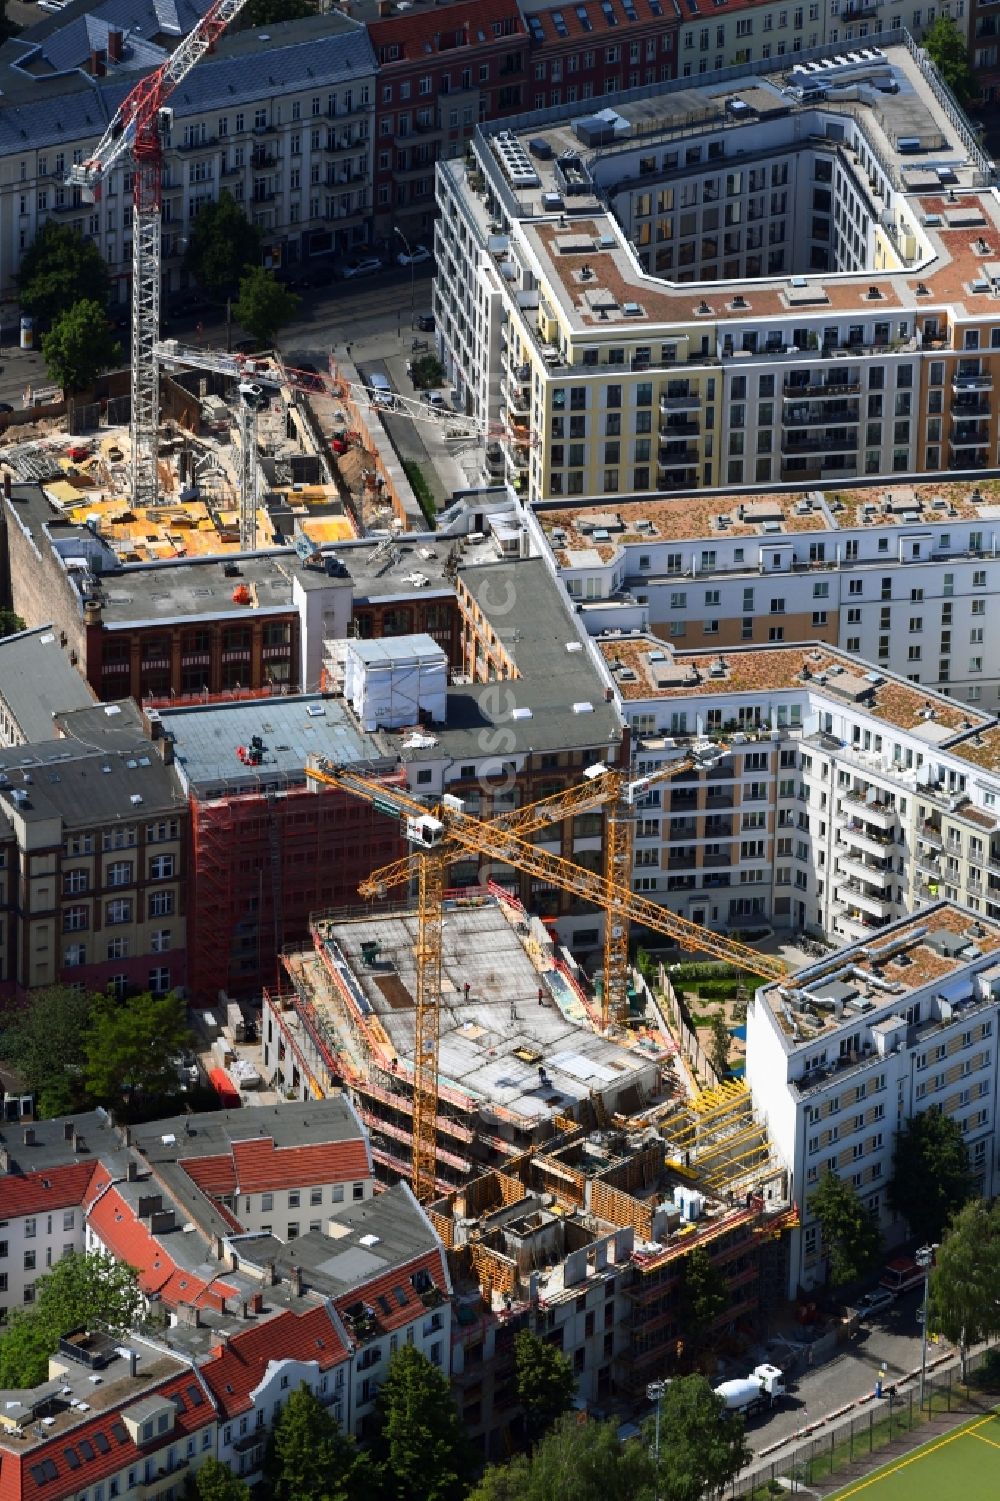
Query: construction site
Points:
[575, 1168]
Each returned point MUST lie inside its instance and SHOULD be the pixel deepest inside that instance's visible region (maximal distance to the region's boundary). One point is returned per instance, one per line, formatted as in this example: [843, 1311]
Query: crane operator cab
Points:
[253, 395]
[425, 832]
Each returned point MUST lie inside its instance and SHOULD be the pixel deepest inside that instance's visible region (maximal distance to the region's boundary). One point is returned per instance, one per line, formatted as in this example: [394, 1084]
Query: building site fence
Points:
[826, 1461]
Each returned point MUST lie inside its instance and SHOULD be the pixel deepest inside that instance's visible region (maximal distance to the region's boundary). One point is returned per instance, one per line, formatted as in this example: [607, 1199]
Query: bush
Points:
[421, 490]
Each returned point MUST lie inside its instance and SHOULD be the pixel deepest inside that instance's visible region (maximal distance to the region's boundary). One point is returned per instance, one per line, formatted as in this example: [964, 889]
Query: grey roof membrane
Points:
[37, 680]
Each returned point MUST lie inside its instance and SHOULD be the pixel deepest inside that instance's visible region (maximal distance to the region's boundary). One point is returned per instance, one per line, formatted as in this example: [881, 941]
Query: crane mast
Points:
[136, 131]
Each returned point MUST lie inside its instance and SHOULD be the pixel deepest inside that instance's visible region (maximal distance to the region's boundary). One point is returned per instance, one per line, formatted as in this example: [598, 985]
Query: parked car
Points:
[366, 266]
[425, 322]
[414, 257]
[434, 398]
[875, 1302]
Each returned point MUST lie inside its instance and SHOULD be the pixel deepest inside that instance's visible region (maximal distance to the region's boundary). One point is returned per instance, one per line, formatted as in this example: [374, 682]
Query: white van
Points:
[381, 392]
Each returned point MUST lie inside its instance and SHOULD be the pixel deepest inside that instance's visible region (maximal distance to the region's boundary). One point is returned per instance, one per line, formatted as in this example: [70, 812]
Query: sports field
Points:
[964, 1465]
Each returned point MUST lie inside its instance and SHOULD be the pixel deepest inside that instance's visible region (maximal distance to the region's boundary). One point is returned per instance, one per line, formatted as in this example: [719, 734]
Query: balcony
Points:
[864, 870]
[690, 402]
[679, 427]
[822, 416]
[819, 390]
[854, 923]
[967, 383]
[856, 896]
[836, 441]
[875, 815]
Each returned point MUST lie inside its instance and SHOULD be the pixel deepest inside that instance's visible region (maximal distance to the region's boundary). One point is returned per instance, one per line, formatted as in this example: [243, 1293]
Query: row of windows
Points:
[77, 919]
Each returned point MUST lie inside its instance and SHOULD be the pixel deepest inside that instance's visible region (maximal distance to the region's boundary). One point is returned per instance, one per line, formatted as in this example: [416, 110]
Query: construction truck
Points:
[764, 1386]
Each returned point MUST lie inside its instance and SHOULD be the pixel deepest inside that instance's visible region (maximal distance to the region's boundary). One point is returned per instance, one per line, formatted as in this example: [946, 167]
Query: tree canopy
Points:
[720, 1046]
[965, 1281]
[704, 1296]
[544, 1382]
[420, 1449]
[931, 1173]
[43, 1043]
[59, 269]
[94, 1290]
[80, 346]
[948, 50]
[264, 305]
[577, 1460]
[851, 1236]
[309, 1458]
[704, 1448]
[271, 12]
[214, 1481]
[129, 1045]
[222, 246]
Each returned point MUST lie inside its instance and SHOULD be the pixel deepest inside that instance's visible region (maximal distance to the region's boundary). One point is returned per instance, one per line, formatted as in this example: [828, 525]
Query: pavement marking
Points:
[920, 1454]
[984, 1440]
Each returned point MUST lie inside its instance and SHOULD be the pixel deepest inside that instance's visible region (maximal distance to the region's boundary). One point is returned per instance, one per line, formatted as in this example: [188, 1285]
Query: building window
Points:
[161, 868]
[118, 911]
[159, 980]
[120, 873]
[161, 903]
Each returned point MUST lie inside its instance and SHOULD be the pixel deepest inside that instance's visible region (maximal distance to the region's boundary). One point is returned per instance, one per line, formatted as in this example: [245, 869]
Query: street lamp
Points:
[654, 1392]
[397, 231]
[925, 1260]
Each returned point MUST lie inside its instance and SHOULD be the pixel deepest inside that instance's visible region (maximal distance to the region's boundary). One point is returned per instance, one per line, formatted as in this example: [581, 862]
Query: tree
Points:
[704, 1296]
[10, 623]
[705, 1448]
[427, 372]
[95, 1291]
[264, 305]
[965, 1282]
[271, 12]
[720, 1045]
[421, 1449]
[43, 1043]
[223, 244]
[946, 47]
[931, 1173]
[129, 1046]
[578, 1460]
[80, 345]
[214, 1481]
[59, 269]
[309, 1458]
[851, 1234]
[544, 1382]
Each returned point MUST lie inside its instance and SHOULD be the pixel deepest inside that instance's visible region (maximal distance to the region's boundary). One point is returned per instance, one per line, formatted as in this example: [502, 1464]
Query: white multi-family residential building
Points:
[845, 1053]
[899, 575]
[717, 288]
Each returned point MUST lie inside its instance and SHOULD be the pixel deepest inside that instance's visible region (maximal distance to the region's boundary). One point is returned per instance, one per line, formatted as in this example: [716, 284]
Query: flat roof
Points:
[38, 680]
[873, 979]
[645, 667]
[51, 1146]
[83, 787]
[206, 738]
[771, 514]
[493, 1041]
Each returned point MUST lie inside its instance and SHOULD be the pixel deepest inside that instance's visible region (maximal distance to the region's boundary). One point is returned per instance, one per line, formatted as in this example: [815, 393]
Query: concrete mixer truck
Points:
[764, 1386]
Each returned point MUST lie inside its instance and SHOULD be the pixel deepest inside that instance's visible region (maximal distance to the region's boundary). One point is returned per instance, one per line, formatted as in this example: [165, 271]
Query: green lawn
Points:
[964, 1465]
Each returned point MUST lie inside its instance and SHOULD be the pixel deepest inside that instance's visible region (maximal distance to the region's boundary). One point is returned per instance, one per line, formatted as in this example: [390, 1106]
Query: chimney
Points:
[257, 1303]
[132, 1173]
[97, 62]
[295, 1280]
[219, 1250]
[115, 46]
[270, 1275]
[68, 1130]
[133, 1361]
[4, 1160]
[29, 1136]
[79, 1145]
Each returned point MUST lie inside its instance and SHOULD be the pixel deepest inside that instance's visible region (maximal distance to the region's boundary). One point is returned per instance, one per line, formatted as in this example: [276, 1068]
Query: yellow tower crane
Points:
[436, 836]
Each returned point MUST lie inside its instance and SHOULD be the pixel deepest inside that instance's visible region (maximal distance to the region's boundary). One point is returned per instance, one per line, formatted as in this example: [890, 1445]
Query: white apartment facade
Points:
[845, 1053]
[898, 575]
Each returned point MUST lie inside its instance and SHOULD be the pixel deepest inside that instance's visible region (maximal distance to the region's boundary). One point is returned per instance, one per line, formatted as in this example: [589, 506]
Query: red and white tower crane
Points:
[136, 134]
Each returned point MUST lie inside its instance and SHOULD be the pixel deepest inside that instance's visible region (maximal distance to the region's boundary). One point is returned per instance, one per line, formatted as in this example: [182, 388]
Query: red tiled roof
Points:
[437, 33]
[215, 1176]
[46, 1189]
[131, 1240]
[18, 1479]
[240, 1366]
[397, 1311]
[261, 1166]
